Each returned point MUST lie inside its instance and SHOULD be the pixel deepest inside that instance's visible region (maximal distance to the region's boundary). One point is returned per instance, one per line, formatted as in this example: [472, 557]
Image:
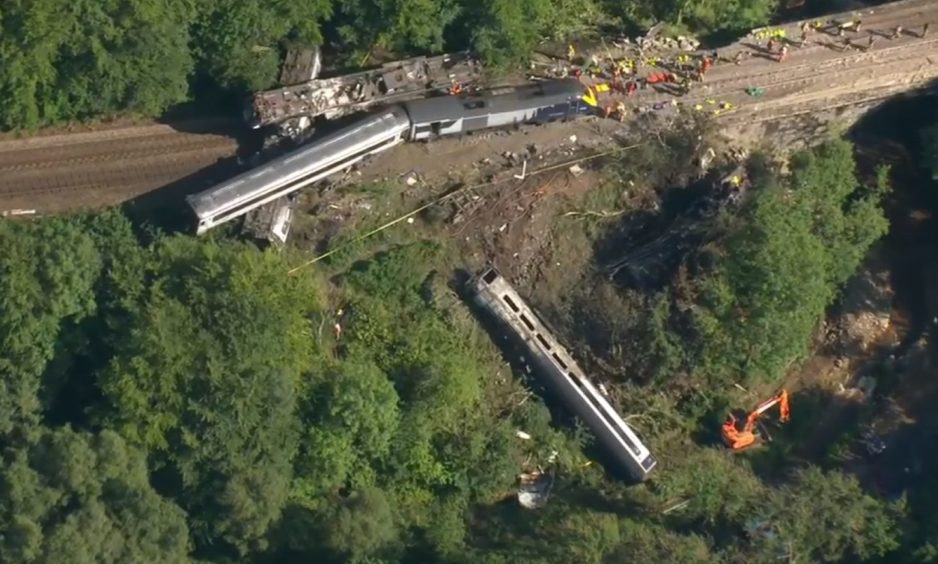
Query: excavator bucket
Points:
[784, 409]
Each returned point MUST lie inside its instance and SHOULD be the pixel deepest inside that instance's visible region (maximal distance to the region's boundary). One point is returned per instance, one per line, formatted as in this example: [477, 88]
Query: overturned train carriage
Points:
[421, 119]
[301, 167]
[561, 375]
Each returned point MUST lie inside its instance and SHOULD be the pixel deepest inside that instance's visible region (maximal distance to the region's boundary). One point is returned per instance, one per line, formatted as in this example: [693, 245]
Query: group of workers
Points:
[677, 74]
[840, 29]
[685, 69]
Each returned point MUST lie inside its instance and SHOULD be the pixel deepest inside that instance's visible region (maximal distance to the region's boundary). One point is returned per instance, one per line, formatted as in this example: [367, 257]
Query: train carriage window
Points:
[543, 341]
[560, 362]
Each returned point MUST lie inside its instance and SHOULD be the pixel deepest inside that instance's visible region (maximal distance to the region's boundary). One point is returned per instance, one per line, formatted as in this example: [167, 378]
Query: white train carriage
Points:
[562, 376]
[299, 168]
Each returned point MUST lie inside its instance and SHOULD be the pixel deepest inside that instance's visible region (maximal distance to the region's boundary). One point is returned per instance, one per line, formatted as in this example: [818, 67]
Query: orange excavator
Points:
[738, 437]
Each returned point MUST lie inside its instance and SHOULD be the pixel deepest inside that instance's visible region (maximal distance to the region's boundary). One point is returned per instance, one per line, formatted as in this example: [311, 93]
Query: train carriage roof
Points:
[305, 160]
[448, 108]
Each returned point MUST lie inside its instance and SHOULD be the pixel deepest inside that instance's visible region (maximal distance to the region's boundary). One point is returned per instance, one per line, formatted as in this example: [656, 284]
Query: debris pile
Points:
[648, 264]
[344, 95]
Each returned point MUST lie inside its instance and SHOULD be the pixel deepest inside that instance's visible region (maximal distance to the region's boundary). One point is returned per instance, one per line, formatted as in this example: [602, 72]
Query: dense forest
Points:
[167, 398]
[92, 58]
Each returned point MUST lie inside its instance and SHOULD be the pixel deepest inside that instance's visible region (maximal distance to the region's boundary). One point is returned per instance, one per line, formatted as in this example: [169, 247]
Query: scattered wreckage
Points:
[347, 94]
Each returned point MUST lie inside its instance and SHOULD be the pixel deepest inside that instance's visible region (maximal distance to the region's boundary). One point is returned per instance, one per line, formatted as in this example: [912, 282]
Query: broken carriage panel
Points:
[344, 95]
[561, 374]
[271, 222]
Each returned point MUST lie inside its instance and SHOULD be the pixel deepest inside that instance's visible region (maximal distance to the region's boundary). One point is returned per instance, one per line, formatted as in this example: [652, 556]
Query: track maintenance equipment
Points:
[741, 433]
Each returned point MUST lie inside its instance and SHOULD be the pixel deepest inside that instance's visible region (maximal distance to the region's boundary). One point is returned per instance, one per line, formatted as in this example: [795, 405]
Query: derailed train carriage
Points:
[561, 375]
[417, 120]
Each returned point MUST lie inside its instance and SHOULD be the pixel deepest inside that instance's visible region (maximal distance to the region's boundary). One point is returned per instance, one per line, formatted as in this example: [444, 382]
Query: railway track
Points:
[53, 173]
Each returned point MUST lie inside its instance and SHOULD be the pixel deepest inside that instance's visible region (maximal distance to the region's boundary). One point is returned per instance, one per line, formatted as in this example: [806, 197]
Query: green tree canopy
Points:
[352, 419]
[400, 25]
[360, 525]
[76, 497]
[47, 273]
[798, 242]
[238, 42]
[827, 517]
[204, 374]
[702, 16]
[91, 57]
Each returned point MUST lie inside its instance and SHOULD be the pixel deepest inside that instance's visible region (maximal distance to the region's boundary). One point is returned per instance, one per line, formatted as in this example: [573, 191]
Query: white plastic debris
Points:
[573, 138]
[522, 435]
[576, 170]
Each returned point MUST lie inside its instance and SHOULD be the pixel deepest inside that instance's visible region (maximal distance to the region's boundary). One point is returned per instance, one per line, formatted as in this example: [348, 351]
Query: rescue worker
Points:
[630, 88]
[804, 39]
[805, 28]
[684, 84]
[870, 41]
[682, 61]
[783, 53]
[705, 65]
[772, 44]
[455, 89]
[571, 52]
[621, 111]
[738, 59]
[924, 31]
[852, 25]
[897, 33]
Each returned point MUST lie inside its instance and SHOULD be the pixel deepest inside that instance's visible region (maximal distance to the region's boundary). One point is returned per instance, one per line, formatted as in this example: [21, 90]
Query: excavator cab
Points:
[741, 430]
